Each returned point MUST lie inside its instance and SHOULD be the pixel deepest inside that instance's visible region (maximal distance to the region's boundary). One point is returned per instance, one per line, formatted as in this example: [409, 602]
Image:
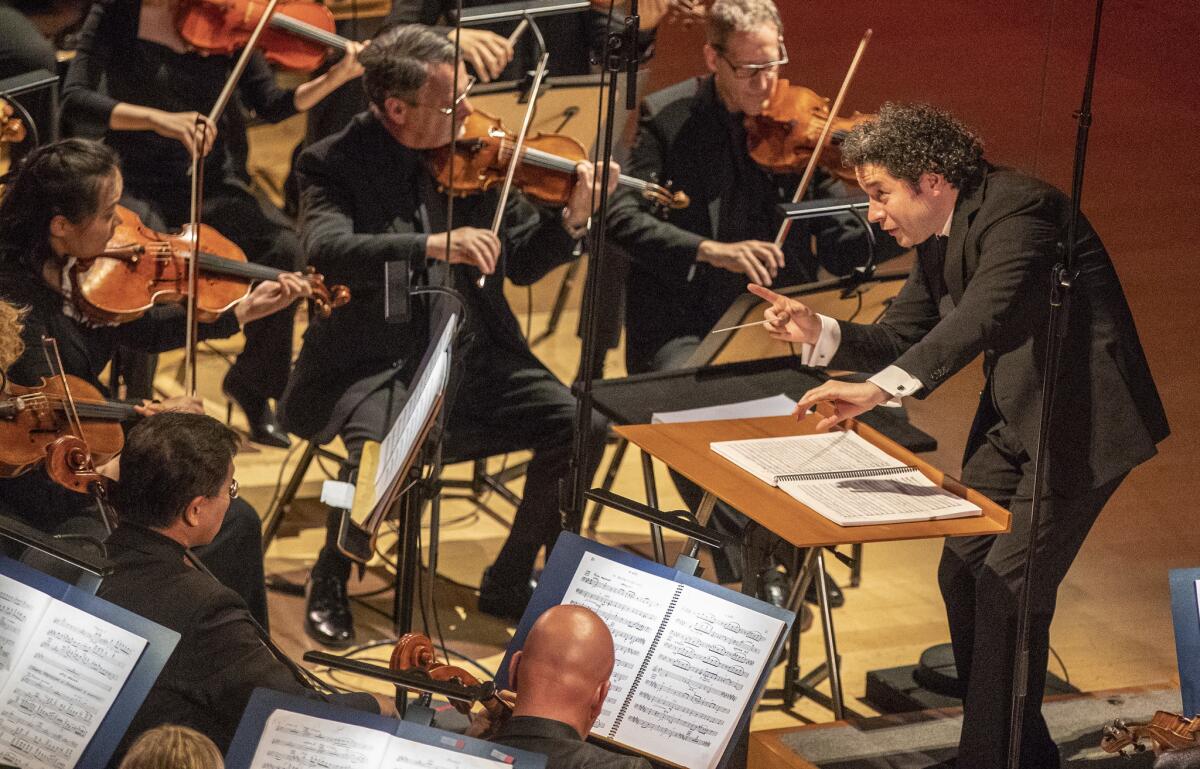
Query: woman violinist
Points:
[62, 204]
[156, 88]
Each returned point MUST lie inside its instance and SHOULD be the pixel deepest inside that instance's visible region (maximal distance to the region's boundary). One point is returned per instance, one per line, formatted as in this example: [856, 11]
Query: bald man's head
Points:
[563, 670]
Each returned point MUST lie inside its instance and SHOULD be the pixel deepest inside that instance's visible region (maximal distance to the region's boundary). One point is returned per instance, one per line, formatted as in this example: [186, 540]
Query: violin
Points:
[66, 423]
[782, 137]
[546, 173]
[1163, 733]
[414, 651]
[297, 37]
[140, 268]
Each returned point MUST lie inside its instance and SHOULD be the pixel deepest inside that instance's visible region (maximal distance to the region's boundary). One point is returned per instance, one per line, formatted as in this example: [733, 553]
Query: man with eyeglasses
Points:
[175, 489]
[369, 204]
[689, 267]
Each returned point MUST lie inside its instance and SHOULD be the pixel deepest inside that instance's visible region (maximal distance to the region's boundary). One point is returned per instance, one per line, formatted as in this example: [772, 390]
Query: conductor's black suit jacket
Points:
[219, 659]
[367, 201]
[688, 138]
[986, 291]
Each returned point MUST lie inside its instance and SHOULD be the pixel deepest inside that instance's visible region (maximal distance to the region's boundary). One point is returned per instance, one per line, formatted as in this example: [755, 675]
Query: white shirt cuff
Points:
[897, 383]
[830, 338]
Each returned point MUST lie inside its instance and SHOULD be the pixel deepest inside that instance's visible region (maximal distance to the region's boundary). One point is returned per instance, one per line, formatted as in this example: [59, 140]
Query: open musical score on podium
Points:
[845, 478]
[61, 670]
[692, 657]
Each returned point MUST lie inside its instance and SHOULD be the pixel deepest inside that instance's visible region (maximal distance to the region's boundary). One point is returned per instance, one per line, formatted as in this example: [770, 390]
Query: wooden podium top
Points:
[684, 447]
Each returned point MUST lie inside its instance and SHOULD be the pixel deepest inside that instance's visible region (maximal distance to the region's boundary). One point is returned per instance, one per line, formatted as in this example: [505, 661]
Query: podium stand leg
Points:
[796, 685]
[831, 653]
[656, 536]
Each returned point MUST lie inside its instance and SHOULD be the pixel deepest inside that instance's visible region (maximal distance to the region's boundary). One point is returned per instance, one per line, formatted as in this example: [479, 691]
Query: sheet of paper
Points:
[772, 406]
[407, 754]
[632, 603]
[298, 741]
[893, 499]
[21, 608]
[699, 680]
[769, 458]
[61, 686]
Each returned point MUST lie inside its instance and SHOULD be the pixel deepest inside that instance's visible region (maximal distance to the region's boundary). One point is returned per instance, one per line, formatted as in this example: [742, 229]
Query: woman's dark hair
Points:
[169, 459]
[396, 63]
[914, 139]
[61, 178]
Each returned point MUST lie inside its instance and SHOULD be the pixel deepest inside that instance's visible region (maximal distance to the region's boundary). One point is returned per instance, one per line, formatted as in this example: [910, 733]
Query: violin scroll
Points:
[325, 299]
[414, 651]
[1164, 732]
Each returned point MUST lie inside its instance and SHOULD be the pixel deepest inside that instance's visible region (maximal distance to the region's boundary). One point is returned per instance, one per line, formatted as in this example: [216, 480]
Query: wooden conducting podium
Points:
[684, 447]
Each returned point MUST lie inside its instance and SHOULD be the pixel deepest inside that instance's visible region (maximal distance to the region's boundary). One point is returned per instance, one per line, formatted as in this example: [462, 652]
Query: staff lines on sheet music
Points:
[75, 657]
[666, 702]
[707, 675]
[705, 629]
[665, 716]
[355, 752]
[689, 651]
[48, 750]
[692, 683]
[54, 709]
[731, 626]
[113, 651]
[603, 600]
[667, 731]
[691, 697]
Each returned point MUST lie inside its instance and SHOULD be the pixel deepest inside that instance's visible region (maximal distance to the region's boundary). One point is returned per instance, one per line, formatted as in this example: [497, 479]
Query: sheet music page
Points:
[699, 680]
[772, 406]
[894, 499]
[632, 603]
[298, 741]
[769, 458]
[21, 607]
[409, 754]
[61, 687]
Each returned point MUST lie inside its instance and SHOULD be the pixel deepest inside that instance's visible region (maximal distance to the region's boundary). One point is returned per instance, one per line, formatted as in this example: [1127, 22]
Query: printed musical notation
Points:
[687, 661]
[298, 741]
[65, 670]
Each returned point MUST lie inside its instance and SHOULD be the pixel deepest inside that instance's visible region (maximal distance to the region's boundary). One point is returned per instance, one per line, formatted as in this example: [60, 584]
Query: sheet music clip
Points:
[679, 521]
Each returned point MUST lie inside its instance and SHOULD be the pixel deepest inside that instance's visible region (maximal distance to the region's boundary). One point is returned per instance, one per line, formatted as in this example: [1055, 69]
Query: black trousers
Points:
[507, 402]
[729, 561]
[980, 580]
[260, 230]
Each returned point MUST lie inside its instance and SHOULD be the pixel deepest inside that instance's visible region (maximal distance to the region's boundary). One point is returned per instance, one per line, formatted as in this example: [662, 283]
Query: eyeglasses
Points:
[747, 71]
[234, 488]
[461, 98]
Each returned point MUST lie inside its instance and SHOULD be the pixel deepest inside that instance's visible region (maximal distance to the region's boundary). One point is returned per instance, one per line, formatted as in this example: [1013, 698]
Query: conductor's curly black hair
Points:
[914, 139]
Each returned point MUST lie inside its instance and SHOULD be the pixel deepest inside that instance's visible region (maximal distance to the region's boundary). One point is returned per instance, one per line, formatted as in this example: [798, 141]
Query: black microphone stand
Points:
[620, 55]
[1060, 305]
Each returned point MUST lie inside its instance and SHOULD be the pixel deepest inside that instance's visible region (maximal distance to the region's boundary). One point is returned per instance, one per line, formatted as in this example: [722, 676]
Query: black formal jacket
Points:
[220, 658]
[366, 201]
[989, 294]
[560, 743]
[687, 137]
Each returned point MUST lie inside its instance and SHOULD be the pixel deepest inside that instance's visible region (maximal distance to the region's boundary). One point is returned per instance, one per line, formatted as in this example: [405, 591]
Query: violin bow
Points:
[197, 197]
[518, 146]
[802, 188]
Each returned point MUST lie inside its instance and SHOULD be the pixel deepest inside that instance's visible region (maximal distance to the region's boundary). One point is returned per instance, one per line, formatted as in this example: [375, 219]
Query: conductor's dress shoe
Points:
[264, 427]
[327, 617]
[503, 600]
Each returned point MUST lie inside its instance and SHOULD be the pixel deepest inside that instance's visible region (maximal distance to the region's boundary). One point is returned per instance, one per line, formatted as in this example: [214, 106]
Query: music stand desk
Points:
[684, 447]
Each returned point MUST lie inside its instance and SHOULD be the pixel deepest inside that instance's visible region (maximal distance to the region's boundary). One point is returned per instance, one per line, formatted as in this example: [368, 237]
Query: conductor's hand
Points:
[486, 52]
[786, 319]
[847, 399]
[468, 245]
[271, 296]
[192, 130]
[758, 260]
[387, 705]
[483, 726]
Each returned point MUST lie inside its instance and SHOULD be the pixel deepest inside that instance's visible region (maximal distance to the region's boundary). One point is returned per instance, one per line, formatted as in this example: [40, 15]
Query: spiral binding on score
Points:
[834, 475]
[637, 679]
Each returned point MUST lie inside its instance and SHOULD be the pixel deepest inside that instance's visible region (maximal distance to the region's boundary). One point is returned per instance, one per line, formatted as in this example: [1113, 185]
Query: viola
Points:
[546, 173]
[140, 268]
[782, 137]
[414, 651]
[38, 424]
[297, 37]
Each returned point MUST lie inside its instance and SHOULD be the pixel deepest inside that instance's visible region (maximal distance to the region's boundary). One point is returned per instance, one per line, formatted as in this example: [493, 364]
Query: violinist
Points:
[176, 484]
[155, 90]
[62, 204]
[686, 271]
[368, 200]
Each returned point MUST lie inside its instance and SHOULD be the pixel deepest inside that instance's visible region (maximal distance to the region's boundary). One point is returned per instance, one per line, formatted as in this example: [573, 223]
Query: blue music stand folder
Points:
[1185, 614]
[160, 642]
[264, 702]
[571, 549]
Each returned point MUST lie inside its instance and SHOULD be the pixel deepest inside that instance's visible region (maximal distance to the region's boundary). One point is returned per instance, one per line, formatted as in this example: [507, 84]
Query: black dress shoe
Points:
[836, 598]
[264, 427]
[327, 617]
[773, 587]
[503, 600]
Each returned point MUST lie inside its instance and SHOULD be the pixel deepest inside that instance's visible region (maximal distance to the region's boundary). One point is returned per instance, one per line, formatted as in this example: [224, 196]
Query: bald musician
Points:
[561, 679]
